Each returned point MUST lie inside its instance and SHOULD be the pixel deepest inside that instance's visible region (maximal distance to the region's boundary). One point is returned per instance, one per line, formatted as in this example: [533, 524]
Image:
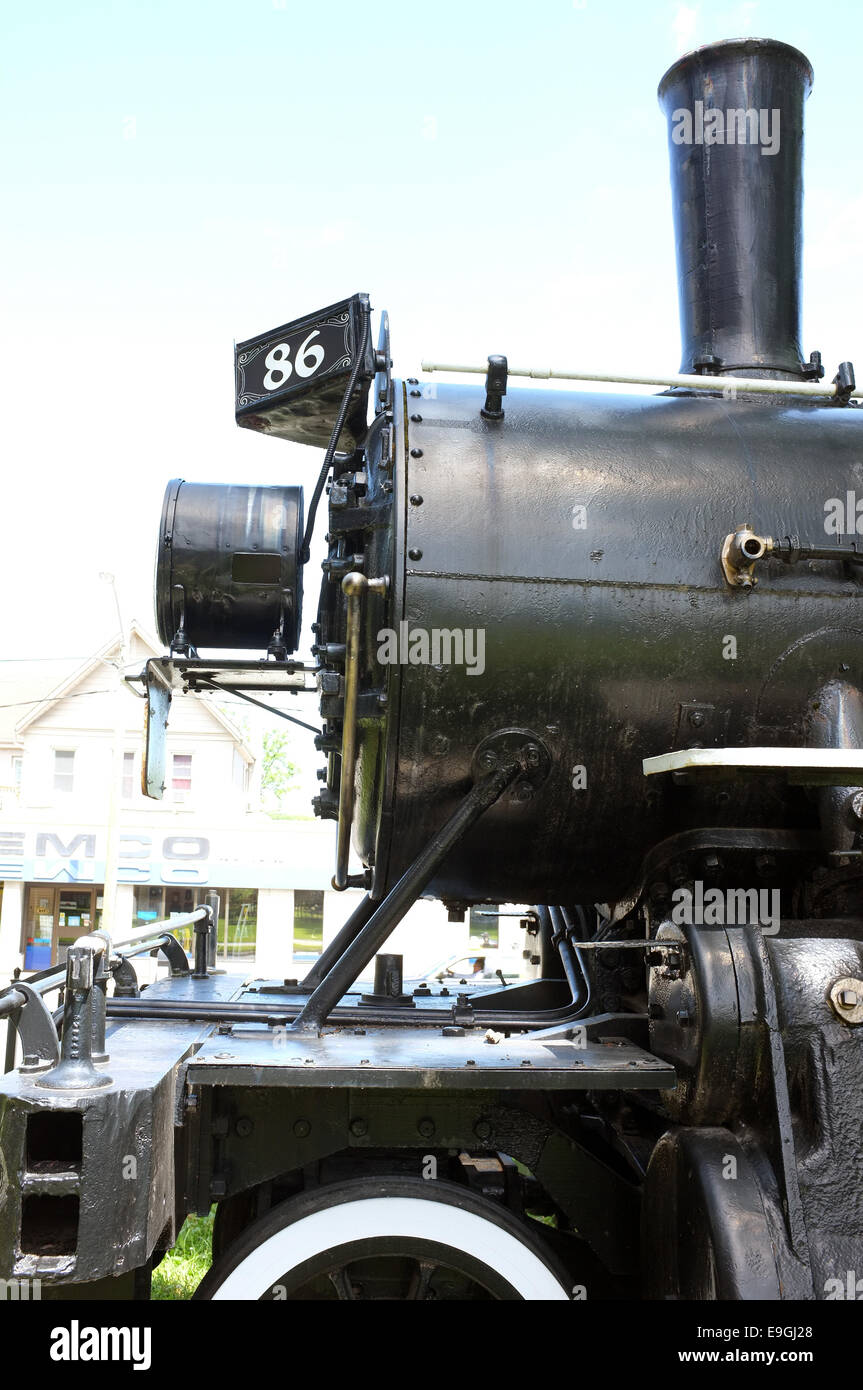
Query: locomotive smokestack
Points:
[735, 114]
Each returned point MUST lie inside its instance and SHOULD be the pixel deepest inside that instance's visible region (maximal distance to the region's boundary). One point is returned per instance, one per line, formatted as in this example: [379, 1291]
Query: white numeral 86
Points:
[279, 367]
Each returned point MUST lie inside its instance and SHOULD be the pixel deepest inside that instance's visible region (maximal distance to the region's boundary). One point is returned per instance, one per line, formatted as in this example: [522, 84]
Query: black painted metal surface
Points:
[227, 565]
[581, 536]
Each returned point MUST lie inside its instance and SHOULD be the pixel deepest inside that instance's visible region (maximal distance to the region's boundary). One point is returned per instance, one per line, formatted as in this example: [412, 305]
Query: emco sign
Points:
[183, 857]
[174, 859]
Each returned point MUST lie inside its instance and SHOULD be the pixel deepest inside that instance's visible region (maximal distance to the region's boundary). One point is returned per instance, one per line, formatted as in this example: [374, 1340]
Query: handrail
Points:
[91, 960]
[728, 385]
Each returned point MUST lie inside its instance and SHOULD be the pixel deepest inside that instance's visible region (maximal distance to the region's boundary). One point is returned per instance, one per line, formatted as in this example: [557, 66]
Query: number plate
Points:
[290, 381]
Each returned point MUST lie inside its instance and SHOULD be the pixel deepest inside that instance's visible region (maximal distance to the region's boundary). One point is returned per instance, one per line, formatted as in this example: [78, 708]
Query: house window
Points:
[17, 773]
[181, 776]
[308, 924]
[64, 769]
[128, 776]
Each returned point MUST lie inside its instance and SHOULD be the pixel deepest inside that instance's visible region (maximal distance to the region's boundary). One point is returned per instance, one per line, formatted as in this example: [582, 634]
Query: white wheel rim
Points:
[411, 1217]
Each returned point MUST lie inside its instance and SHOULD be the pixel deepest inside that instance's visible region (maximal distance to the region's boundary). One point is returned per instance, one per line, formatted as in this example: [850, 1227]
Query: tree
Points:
[277, 771]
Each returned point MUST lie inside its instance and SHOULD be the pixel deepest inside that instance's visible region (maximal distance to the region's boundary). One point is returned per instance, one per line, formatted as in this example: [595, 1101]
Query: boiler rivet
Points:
[416, 453]
[414, 553]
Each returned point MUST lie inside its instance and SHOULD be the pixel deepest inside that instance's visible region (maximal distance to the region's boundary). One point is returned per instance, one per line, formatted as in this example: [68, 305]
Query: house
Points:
[59, 724]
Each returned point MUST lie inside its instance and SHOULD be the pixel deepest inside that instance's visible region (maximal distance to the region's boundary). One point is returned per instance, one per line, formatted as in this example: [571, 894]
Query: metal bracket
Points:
[495, 388]
[508, 745]
[844, 383]
[40, 1045]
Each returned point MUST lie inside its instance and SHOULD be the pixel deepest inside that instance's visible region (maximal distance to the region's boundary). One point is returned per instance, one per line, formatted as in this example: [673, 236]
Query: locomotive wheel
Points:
[386, 1238]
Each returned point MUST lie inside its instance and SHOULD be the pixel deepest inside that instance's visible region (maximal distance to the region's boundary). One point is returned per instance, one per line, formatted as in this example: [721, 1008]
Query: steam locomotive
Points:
[595, 652]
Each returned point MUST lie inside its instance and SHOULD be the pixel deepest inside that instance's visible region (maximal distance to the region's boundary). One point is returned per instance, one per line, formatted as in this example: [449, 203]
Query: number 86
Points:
[278, 363]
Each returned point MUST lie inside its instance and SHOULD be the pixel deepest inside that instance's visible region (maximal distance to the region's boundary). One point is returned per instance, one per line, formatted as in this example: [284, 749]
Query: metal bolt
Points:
[415, 553]
[302, 1129]
[359, 1128]
[244, 1126]
[488, 760]
[532, 755]
[846, 997]
[416, 453]
[696, 718]
[416, 499]
[426, 1128]
[523, 792]
[417, 419]
[416, 393]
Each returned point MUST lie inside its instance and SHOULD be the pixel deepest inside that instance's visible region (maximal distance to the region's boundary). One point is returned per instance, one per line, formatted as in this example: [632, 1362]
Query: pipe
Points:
[354, 586]
[573, 965]
[763, 385]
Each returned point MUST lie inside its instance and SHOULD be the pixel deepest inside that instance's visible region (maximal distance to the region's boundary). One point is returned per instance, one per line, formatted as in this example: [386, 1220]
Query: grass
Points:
[185, 1265]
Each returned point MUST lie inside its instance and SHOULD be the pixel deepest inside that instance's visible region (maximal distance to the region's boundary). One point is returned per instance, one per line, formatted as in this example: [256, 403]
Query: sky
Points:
[181, 174]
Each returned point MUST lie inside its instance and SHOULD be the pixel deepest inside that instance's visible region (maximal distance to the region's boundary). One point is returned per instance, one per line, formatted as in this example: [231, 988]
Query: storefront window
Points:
[242, 925]
[55, 916]
[148, 904]
[484, 925]
[308, 924]
[178, 902]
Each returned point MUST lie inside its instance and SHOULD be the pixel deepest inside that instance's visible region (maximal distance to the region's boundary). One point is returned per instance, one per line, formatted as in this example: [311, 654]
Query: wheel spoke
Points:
[342, 1284]
[421, 1279]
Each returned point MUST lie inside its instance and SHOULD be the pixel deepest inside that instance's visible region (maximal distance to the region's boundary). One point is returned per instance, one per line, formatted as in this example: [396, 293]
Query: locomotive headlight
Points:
[227, 569]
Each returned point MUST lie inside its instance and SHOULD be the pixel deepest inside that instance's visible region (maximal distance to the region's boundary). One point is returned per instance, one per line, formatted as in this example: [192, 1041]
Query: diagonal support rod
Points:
[402, 896]
[347, 933]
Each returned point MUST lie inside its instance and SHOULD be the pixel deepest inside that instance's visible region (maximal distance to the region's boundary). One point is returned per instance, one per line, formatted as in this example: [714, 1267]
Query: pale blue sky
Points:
[180, 173]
